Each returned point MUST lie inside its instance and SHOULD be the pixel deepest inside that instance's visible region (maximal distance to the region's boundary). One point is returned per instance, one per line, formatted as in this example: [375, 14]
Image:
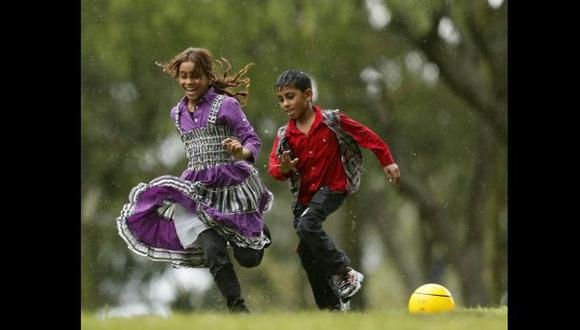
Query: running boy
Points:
[318, 151]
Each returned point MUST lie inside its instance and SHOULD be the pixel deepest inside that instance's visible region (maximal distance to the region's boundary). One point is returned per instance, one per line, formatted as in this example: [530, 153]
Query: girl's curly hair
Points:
[204, 61]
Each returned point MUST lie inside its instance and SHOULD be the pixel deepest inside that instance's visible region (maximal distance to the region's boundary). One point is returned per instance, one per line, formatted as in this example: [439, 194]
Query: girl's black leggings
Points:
[221, 268]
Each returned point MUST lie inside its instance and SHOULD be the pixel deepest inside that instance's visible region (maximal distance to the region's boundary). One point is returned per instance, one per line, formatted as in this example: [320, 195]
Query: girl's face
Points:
[192, 80]
[293, 101]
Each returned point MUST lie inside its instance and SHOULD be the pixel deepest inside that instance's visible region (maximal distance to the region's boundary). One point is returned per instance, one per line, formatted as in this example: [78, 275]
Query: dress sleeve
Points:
[173, 113]
[232, 114]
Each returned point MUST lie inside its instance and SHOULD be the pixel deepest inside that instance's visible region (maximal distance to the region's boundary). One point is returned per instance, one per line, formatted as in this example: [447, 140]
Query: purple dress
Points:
[164, 217]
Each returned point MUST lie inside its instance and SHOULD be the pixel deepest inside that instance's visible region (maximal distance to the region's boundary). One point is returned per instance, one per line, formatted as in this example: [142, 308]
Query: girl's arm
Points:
[249, 141]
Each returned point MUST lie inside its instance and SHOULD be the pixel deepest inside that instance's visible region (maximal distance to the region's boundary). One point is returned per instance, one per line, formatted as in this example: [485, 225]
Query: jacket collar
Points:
[317, 120]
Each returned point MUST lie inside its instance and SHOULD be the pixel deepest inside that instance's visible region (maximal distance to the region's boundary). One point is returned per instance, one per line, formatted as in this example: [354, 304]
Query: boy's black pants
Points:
[320, 257]
[222, 269]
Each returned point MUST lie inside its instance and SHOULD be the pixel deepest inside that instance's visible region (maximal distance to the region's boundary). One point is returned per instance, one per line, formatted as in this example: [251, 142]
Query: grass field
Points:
[460, 319]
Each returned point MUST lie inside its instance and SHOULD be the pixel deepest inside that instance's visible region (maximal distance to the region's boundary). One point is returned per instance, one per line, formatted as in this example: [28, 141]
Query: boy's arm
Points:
[274, 163]
[368, 139]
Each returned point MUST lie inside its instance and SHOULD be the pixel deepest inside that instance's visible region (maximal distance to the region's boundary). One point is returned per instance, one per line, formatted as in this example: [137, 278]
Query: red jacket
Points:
[318, 151]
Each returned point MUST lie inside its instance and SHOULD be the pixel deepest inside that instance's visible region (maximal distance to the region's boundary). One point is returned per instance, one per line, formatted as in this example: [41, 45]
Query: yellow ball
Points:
[431, 298]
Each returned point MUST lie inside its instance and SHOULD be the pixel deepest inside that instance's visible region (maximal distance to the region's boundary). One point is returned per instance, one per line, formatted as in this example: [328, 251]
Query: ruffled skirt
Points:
[163, 217]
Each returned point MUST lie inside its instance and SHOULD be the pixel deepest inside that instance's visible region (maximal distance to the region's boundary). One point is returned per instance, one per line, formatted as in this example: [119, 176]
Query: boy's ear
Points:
[308, 93]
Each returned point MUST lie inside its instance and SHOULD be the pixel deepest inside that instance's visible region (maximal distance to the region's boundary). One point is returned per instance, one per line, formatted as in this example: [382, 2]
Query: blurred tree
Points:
[467, 44]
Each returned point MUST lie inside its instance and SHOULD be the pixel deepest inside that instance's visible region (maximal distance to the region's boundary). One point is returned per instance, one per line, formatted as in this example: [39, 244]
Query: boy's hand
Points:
[392, 171]
[286, 164]
[235, 148]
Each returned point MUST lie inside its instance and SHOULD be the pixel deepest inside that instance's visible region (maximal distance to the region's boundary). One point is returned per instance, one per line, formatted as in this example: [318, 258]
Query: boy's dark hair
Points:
[293, 78]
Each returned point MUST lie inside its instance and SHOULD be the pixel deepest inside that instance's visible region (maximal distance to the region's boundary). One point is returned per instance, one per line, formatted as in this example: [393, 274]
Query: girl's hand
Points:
[286, 164]
[235, 148]
[392, 171]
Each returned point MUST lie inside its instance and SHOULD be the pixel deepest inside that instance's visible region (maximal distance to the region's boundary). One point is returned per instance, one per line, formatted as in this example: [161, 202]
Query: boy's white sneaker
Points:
[348, 284]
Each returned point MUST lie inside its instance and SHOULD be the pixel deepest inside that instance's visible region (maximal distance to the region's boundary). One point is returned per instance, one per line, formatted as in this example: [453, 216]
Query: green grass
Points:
[460, 319]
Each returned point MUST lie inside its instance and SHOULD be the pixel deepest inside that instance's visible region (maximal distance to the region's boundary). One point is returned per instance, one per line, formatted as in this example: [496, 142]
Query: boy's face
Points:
[293, 101]
[192, 80]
